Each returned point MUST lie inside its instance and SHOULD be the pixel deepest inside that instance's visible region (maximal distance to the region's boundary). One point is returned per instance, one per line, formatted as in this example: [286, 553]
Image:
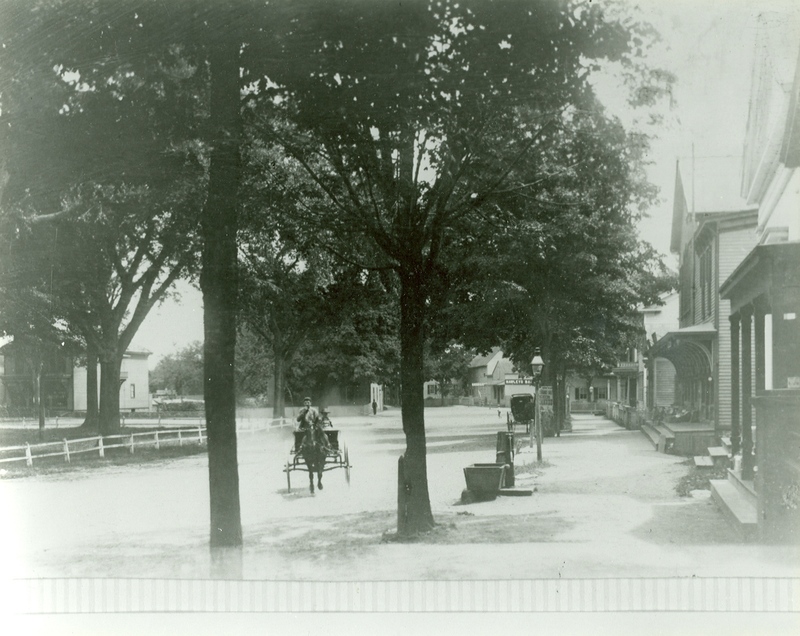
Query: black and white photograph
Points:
[477, 311]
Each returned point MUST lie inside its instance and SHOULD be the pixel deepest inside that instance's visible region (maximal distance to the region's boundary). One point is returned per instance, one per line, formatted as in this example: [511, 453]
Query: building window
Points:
[600, 393]
[686, 283]
[581, 393]
[432, 388]
[133, 390]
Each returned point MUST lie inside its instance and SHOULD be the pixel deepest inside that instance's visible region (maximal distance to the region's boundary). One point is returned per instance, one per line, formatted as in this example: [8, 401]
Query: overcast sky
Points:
[707, 44]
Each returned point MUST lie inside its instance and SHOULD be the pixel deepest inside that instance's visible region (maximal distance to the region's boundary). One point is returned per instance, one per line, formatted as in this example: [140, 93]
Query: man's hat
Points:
[306, 399]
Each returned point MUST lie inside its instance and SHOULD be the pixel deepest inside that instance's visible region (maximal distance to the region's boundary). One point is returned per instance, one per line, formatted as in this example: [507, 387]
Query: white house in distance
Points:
[487, 375]
[64, 382]
[134, 390]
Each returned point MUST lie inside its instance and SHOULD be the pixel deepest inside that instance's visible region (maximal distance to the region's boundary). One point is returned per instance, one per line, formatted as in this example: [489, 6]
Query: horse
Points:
[314, 450]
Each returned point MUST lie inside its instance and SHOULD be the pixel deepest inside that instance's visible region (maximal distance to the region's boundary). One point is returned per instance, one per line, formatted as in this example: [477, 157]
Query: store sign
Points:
[519, 381]
[545, 397]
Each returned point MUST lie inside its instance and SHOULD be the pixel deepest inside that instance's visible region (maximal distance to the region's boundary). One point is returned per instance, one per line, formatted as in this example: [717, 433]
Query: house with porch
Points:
[713, 229]
[761, 494]
[640, 383]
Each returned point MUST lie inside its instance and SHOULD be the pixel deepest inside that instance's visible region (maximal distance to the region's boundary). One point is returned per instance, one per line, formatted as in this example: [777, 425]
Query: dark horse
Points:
[314, 450]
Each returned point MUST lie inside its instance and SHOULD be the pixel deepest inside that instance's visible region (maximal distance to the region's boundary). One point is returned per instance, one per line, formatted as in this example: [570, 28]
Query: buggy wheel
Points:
[288, 470]
[347, 465]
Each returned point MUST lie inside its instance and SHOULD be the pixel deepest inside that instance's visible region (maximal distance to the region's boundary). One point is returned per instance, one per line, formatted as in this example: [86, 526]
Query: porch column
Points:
[761, 310]
[747, 394]
[736, 431]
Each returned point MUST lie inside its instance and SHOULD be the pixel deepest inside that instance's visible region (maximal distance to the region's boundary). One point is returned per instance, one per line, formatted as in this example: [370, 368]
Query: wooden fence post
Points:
[100, 446]
[66, 450]
[28, 456]
[132, 442]
[199, 435]
[157, 446]
[180, 439]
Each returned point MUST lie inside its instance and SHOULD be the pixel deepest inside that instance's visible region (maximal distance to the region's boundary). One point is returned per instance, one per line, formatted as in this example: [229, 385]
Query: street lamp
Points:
[537, 364]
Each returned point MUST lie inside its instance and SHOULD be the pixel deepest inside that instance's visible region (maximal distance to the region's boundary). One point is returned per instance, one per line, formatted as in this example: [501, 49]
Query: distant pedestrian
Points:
[374, 407]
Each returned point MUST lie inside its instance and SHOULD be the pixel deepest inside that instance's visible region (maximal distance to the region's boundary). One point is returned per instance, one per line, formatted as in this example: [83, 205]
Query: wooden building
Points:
[712, 232]
[762, 296]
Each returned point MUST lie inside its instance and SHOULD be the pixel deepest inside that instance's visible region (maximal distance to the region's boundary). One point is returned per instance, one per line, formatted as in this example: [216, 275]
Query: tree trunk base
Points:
[409, 526]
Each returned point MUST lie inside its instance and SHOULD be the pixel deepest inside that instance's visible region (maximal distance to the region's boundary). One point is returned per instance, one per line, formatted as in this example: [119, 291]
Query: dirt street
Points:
[605, 506]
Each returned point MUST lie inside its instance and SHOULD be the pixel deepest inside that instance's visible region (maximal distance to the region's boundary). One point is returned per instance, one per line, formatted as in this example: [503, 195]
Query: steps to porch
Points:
[738, 501]
[690, 438]
[717, 456]
[663, 439]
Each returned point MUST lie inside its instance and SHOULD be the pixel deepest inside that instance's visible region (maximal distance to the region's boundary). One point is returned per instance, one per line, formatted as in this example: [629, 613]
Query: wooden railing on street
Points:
[66, 448]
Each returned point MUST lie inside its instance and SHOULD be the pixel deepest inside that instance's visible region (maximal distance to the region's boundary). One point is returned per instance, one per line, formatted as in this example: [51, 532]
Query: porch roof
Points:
[689, 349]
[768, 269]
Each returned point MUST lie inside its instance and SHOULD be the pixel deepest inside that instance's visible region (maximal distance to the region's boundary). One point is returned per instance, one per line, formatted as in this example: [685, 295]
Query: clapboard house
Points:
[713, 229]
[762, 299]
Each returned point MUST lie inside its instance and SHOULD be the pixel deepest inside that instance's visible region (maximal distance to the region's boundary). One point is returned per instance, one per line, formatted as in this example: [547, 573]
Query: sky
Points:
[707, 44]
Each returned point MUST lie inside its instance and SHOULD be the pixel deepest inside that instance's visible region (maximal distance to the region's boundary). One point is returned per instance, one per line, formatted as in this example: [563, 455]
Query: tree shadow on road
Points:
[692, 522]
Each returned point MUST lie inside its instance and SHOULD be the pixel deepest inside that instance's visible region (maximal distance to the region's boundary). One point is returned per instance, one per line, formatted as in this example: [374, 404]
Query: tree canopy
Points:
[429, 134]
[415, 121]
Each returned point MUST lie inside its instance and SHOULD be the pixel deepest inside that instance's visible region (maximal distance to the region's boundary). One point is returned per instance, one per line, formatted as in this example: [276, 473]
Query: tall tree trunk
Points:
[109, 394]
[219, 284]
[414, 506]
[91, 421]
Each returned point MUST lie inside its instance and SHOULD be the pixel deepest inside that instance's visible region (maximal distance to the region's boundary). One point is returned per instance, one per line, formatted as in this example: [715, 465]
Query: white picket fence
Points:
[66, 448]
[253, 425]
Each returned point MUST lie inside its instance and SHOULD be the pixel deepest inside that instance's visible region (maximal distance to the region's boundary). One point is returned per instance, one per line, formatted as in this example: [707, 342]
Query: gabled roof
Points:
[679, 210]
[772, 136]
[484, 361]
[790, 150]
[711, 190]
[724, 221]
[702, 333]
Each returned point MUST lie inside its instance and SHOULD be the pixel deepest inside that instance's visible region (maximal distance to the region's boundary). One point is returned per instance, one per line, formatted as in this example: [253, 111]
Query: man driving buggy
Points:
[309, 417]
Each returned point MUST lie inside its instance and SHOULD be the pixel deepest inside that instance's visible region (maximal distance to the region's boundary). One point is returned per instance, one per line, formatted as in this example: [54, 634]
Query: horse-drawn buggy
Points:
[522, 411]
[317, 449]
